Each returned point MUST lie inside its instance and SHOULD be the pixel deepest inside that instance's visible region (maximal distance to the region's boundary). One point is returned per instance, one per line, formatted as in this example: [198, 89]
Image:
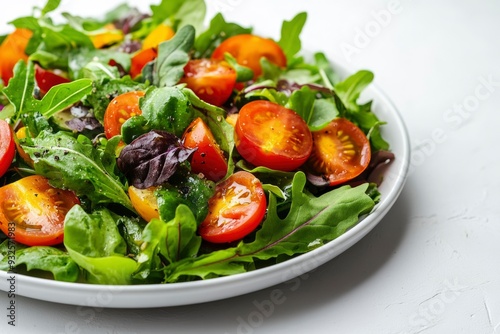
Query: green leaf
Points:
[43, 258]
[95, 244]
[50, 6]
[62, 96]
[217, 31]
[76, 164]
[20, 89]
[243, 73]
[328, 75]
[350, 89]
[302, 102]
[324, 112]
[178, 13]
[311, 222]
[173, 56]
[290, 35]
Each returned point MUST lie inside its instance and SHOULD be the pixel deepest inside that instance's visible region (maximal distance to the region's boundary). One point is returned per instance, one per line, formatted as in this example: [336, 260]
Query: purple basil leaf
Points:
[152, 158]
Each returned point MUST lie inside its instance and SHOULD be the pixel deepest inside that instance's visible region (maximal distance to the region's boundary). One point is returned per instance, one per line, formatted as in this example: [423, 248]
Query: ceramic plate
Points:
[144, 296]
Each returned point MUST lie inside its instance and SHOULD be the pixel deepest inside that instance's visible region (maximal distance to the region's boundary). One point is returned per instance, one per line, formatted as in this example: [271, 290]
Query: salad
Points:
[143, 148]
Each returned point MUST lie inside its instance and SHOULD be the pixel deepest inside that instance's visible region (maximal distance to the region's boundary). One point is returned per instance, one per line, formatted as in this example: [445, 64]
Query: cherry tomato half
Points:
[211, 80]
[208, 159]
[7, 147]
[120, 109]
[144, 202]
[32, 212]
[249, 49]
[46, 79]
[140, 59]
[235, 210]
[270, 135]
[340, 152]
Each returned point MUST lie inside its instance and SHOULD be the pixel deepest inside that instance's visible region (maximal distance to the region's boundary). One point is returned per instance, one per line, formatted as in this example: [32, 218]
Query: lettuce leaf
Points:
[311, 222]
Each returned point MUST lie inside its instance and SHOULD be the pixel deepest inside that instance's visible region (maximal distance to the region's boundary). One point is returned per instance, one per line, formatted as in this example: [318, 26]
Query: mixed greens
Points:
[105, 240]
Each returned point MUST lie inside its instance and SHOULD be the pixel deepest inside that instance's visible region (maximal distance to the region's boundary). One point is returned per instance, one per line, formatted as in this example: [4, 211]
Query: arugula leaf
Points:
[325, 110]
[217, 31]
[44, 258]
[328, 75]
[50, 6]
[20, 89]
[62, 96]
[95, 244]
[310, 222]
[173, 55]
[348, 91]
[290, 35]
[74, 163]
[243, 73]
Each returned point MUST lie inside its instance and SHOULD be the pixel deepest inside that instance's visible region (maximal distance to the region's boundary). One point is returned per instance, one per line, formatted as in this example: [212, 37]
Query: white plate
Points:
[144, 296]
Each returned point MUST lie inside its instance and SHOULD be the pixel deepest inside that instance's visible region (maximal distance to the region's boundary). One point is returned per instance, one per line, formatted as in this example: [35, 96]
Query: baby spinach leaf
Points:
[74, 163]
[95, 244]
[43, 258]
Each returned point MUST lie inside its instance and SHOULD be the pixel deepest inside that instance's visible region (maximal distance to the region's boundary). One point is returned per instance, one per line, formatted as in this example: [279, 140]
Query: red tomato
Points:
[140, 60]
[340, 152]
[12, 50]
[32, 211]
[120, 109]
[235, 210]
[7, 147]
[208, 159]
[270, 135]
[249, 49]
[46, 79]
[211, 80]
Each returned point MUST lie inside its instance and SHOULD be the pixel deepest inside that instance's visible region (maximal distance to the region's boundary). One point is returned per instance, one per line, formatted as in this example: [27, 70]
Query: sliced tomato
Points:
[248, 49]
[12, 50]
[270, 135]
[7, 147]
[46, 79]
[340, 152]
[32, 212]
[140, 59]
[208, 159]
[235, 210]
[120, 109]
[211, 80]
[144, 202]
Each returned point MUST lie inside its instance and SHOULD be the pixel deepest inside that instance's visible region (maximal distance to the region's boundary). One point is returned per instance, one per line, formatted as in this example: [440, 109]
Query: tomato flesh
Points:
[248, 49]
[211, 80]
[120, 109]
[46, 79]
[32, 212]
[7, 147]
[144, 202]
[270, 135]
[208, 159]
[341, 152]
[235, 210]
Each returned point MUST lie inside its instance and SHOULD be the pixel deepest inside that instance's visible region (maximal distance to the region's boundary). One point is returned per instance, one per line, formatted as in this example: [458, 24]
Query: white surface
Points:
[427, 267]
